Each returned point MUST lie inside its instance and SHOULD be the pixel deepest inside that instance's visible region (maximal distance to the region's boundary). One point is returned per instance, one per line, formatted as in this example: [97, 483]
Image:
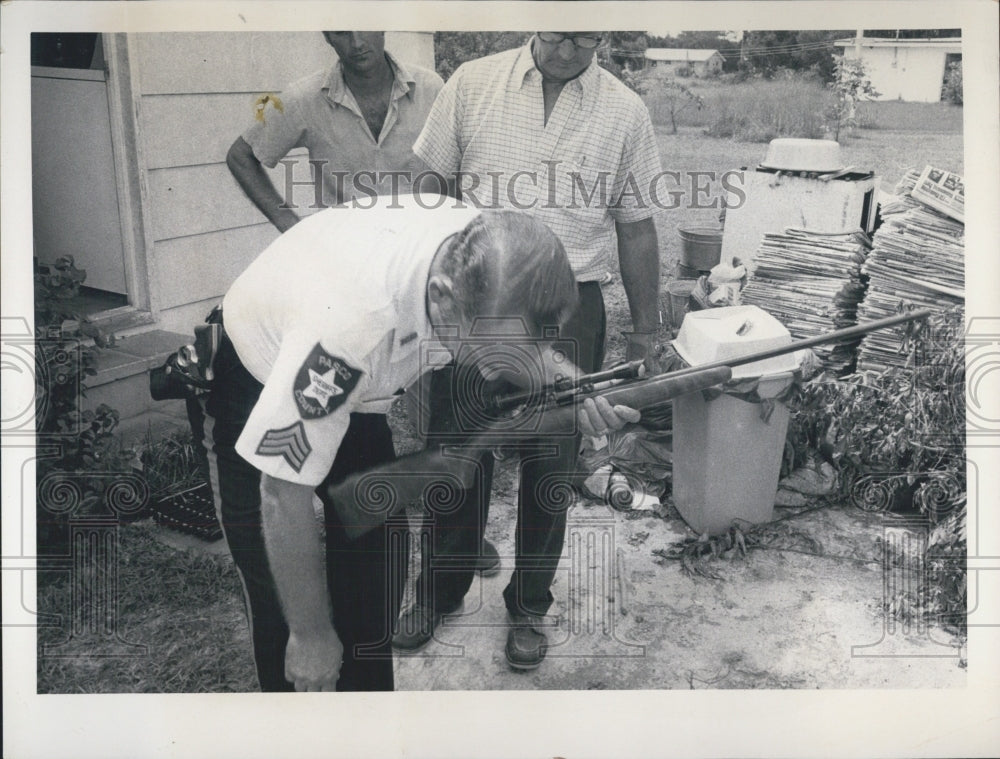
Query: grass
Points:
[184, 607]
[187, 607]
[761, 110]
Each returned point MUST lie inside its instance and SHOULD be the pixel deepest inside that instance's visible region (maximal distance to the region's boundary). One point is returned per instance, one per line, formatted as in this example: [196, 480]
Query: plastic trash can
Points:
[726, 457]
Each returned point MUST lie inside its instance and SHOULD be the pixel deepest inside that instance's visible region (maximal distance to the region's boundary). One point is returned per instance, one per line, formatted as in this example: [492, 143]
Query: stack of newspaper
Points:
[917, 258]
[812, 283]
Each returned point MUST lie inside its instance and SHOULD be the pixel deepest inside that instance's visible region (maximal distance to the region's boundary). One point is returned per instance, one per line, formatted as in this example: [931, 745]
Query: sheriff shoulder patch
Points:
[289, 442]
[323, 384]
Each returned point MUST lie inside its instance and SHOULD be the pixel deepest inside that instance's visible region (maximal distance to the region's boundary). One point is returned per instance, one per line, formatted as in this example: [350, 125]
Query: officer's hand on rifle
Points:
[597, 417]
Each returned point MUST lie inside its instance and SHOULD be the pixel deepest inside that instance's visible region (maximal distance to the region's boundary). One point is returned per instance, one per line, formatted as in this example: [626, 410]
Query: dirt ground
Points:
[631, 619]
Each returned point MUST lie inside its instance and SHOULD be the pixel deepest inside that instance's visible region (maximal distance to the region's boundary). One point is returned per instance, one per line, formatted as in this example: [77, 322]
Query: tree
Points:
[677, 97]
[913, 34]
[850, 84]
[951, 91]
[452, 49]
[767, 52]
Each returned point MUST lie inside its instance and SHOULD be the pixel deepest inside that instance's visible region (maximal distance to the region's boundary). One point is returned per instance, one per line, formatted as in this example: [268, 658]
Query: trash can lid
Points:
[730, 332]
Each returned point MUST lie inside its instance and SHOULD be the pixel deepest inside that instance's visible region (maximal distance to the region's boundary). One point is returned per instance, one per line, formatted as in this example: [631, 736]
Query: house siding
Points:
[194, 94]
[905, 72]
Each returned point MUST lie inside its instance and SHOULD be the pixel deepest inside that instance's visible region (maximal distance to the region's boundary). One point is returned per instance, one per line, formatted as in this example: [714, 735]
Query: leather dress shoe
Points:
[416, 627]
[526, 641]
[488, 564]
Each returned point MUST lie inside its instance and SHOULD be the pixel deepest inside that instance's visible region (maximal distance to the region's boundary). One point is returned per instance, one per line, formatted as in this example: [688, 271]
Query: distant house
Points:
[905, 69]
[701, 62]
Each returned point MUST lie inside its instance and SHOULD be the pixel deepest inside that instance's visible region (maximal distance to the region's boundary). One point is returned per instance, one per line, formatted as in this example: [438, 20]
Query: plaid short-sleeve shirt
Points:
[592, 164]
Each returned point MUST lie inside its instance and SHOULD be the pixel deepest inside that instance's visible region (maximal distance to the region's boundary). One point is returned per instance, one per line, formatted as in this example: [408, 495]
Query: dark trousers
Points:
[365, 576]
[544, 494]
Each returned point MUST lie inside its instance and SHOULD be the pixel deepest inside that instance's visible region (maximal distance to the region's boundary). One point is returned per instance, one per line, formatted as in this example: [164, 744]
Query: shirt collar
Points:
[403, 83]
[524, 65]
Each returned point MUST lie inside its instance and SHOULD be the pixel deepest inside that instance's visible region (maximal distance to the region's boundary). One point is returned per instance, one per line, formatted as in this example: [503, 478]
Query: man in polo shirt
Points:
[545, 129]
[358, 120]
[318, 341]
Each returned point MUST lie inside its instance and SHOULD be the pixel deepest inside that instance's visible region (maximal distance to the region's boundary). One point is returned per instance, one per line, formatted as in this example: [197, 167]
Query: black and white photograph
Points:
[449, 371]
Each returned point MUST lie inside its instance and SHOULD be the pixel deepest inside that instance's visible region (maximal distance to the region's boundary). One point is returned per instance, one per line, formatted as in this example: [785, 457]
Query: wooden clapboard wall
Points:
[194, 94]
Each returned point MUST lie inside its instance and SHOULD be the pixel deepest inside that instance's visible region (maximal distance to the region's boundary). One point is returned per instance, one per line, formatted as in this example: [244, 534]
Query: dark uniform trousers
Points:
[365, 576]
[454, 534]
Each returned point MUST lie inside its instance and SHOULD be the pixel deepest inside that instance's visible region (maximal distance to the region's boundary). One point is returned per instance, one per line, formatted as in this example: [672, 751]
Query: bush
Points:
[897, 441]
[452, 49]
[665, 96]
[73, 479]
[761, 110]
[684, 71]
[951, 92]
[851, 86]
[906, 422]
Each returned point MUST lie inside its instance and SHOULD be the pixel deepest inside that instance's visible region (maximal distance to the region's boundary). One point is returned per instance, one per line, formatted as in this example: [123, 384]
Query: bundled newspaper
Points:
[941, 190]
[917, 259]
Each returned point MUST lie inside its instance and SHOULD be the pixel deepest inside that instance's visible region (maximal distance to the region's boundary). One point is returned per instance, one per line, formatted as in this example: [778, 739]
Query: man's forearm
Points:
[639, 258]
[250, 175]
[294, 551]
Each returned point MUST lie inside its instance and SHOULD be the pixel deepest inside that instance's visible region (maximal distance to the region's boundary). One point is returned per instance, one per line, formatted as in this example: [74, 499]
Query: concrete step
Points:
[122, 380]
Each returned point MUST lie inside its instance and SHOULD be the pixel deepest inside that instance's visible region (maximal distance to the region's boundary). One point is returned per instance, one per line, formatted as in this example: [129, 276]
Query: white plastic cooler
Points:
[726, 458]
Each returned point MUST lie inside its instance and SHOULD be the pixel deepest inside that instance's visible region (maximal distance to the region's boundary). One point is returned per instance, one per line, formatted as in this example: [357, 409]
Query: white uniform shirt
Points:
[332, 319]
[594, 163]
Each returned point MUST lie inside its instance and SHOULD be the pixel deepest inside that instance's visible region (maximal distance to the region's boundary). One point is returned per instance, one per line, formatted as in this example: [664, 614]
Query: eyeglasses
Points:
[580, 40]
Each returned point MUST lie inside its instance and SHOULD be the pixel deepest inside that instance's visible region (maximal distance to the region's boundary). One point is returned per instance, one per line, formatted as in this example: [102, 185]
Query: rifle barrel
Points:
[840, 334]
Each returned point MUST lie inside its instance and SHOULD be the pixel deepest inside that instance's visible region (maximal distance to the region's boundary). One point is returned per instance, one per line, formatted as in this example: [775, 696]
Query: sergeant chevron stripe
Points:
[289, 442]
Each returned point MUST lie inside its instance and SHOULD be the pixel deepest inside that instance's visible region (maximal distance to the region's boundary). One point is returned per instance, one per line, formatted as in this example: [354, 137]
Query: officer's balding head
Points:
[508, 266]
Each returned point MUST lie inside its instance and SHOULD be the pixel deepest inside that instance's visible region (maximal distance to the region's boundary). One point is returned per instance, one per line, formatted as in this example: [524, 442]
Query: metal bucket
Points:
[701, 247]
[679, 291]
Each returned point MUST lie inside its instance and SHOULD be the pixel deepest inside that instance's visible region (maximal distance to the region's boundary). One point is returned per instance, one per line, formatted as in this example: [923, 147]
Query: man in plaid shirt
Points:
[544, 129]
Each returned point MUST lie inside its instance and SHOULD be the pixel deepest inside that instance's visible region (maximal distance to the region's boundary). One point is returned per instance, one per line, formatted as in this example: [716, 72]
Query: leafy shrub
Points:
[906, 424]
[897, 440]
[684, 71]
[760, 110]
[951, 92]
[665, 96]
[73, 443]
[851, 86]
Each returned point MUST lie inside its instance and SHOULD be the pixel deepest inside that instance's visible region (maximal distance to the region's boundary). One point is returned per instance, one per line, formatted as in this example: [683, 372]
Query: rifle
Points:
[438, 474]
[367, 499]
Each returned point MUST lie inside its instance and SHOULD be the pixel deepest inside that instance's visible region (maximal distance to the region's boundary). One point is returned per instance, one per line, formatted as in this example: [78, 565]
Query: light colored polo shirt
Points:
[332, 319]
[320, 114]
[488, 123]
